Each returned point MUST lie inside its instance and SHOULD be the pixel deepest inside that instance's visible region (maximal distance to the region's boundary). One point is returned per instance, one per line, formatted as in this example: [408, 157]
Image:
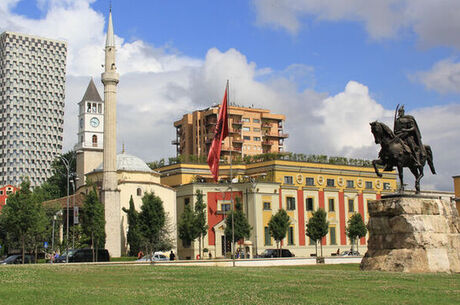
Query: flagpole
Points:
[231, 190]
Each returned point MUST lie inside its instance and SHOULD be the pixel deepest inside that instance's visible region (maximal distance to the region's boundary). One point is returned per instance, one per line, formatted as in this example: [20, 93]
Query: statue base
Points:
[413, 234]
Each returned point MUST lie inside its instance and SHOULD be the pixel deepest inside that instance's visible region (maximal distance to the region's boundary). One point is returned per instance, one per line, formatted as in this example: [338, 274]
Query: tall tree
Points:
[356, 229]
[317, 228]
[186, 226]
[24, 218]
[242, 228]
[93, 220]
[134, 235]
[201, 228]
[278, 226]
[154, 225]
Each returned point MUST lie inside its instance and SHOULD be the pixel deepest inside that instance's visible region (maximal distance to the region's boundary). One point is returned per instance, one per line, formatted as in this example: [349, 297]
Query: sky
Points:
[331, 67]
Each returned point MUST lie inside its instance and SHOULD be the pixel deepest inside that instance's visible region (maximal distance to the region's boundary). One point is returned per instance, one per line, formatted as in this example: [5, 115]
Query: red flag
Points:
[220, 134]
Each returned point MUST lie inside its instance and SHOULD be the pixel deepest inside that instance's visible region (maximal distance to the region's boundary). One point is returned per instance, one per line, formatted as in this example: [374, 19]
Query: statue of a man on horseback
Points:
[406, 128]
[402, 148]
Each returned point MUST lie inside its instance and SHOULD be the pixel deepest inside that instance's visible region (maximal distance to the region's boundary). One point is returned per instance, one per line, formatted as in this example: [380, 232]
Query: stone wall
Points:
[413, 234]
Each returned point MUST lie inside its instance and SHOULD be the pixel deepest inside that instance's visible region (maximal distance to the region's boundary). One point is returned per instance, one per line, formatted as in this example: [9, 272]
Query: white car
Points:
[157, 257]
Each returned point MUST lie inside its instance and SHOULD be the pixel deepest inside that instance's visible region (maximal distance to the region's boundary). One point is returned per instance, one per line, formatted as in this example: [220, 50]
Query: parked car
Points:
[350, 253]
[276, 253]
[84, 255]
[17, 259]
[157, 257]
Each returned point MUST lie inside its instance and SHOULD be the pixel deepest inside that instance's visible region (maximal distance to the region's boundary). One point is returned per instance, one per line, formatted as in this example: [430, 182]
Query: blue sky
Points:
[309, 59]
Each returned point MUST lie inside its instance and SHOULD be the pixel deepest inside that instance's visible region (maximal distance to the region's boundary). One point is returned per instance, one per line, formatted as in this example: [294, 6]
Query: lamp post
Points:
[67, 166]
[59, 213]
[73, 211]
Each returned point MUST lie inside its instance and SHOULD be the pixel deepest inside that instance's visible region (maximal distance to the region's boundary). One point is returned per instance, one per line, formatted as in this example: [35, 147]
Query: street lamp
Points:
[67, 166]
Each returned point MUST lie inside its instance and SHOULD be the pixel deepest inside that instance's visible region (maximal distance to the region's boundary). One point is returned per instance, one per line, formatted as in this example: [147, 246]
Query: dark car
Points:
[84, 255]
[17, 259]
[276, 253]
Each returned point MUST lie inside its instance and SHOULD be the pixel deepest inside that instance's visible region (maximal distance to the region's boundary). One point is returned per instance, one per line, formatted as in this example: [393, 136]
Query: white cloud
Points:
[444, 77]
[435, 22]
[158, 85]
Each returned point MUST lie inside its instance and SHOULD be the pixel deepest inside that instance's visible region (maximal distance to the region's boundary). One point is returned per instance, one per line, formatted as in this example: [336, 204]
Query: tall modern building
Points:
[32, 87]
[252, 131]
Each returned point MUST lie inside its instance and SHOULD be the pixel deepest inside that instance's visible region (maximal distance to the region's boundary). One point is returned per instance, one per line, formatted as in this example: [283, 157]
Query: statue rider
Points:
[407, 130]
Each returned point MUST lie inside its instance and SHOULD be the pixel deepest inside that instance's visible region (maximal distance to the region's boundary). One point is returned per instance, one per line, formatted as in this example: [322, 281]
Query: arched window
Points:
[99, 108]
[139, 191]
[89, 107]
[94, 141]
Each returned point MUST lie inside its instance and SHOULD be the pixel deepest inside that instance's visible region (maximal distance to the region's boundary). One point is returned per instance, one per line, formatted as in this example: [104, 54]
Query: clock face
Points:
[94, 122]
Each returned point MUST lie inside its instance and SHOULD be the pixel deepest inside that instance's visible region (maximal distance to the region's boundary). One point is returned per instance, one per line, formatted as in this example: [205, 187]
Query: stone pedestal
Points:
[413, 234]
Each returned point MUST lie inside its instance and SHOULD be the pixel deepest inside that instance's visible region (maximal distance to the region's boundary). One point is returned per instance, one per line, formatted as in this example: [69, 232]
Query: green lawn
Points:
[150, 284]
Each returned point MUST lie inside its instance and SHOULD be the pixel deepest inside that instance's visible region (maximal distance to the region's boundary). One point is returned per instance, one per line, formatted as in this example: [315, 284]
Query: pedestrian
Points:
[140, 254]
[210, 255]
[171, 256]
[338, 251]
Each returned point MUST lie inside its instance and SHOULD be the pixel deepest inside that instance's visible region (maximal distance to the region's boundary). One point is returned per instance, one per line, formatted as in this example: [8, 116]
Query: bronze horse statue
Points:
[395, 152]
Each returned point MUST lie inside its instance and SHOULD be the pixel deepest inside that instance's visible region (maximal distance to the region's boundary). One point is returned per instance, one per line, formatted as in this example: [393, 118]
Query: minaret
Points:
[110, 191]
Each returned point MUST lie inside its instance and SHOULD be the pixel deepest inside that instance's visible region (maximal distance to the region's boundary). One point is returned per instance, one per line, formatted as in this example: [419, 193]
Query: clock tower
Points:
[90, 132]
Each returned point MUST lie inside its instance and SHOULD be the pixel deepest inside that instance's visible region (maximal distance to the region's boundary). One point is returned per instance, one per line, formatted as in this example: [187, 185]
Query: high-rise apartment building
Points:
[32, 87]
[252, 131]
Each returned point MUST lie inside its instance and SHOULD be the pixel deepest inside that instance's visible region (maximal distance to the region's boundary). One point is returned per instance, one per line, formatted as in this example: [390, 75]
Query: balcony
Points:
[234, 130]
[266, 125]
[276, 135]
[237, 140]
[233, 149]
[237, 122]
[267, 143]
[211, 121]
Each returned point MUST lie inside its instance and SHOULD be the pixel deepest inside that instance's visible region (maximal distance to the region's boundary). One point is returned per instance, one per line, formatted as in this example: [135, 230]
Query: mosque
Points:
[117, 177]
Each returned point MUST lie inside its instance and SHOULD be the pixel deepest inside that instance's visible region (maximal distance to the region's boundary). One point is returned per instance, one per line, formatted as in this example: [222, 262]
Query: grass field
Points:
[150, 284]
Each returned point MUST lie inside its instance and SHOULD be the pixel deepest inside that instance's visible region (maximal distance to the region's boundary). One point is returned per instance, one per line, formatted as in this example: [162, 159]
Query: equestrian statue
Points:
[402, 147]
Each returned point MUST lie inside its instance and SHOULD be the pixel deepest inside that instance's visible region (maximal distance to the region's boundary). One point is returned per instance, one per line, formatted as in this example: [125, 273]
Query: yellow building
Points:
[457, 192]
[251, 132]
[265, 187]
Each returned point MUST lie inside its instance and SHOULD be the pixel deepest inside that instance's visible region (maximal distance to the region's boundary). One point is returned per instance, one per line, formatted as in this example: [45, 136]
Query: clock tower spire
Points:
[110, 191]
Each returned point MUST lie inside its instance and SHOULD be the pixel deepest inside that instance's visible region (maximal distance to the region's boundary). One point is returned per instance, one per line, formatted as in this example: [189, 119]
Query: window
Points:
[350, 184]
[290, 203]
[186, 201]
[246, 129]
[288, 180]
[89, 107]
[330, 182]
[225, 207]
[332, 236]
[267, 205]
[256, 138]
[267, 237]
[351, 205]
[331, 205]
[309, 204]
[99, 108]
[291, 236]
[256, 129]
[369, 184]
[246, 138]
[386, 186]
[139, 191]
[255, 120]
[246, 120]
[310, 181]
[94, 141]
[312, 242]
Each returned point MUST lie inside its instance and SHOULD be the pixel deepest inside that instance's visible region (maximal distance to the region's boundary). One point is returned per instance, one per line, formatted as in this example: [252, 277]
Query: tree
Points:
[278, 226]
[154, 225]
[24, 218]
[200, 226]
[186, 226]
[59, 178]
[134, 235]
[93, 220]
[356, 228]
[317, 228]
[242, 229]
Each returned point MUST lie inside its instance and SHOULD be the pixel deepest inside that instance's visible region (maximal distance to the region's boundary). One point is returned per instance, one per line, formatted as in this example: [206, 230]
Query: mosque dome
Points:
[129, 163]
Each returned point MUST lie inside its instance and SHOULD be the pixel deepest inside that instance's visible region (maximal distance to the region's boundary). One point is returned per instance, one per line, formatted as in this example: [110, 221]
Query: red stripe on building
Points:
[301, 216]
[343, 236]
[281, 199]
[378, 197]
[361, 211]
[321, 205]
